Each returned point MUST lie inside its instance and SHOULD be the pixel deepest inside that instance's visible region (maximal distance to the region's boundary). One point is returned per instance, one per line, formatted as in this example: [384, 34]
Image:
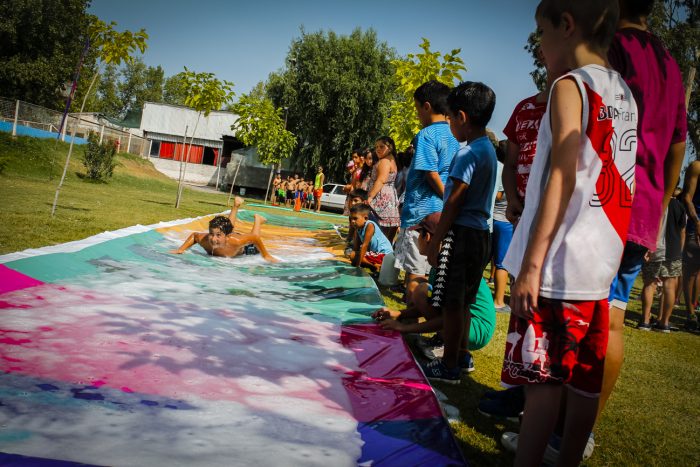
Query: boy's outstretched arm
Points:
[565, 110]
[191, 240]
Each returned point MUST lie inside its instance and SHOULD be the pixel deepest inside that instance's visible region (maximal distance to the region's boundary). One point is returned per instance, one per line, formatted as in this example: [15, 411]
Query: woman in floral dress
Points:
[382, 193]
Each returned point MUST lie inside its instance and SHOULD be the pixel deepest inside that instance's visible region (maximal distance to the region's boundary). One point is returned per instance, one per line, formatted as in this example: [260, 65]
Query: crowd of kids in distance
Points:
[572, 206]
[298, 193]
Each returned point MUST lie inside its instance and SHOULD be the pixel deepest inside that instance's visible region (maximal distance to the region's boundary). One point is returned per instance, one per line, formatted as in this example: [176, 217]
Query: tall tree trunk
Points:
[72, 142]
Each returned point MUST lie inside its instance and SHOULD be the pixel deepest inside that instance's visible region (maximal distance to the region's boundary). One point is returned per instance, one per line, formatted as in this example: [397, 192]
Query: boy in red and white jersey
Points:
[569, 241]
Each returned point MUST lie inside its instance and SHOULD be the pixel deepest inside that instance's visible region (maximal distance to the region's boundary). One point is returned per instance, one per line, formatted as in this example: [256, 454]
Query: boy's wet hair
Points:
[359, 193]
[597, 19]
[635, 9]
[474, 99]
[361, 208]
[435, 93]
[221, 222]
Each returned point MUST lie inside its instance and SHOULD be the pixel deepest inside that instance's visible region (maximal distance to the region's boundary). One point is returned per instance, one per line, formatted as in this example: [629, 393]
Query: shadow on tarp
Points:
[233, 323]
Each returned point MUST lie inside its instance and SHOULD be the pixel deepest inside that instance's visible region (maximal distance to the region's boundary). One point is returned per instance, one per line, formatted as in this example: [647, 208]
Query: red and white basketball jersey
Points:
[587, 249]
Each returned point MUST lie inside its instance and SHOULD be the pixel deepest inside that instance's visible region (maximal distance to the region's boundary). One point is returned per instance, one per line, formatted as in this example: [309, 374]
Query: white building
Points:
[213, 147]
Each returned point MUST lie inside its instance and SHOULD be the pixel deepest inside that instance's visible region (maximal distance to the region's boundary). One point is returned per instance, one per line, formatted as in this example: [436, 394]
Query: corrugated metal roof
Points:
[166, 119]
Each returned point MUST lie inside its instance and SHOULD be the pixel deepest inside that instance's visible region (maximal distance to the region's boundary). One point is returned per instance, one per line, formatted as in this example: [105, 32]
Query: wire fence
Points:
[34, 120]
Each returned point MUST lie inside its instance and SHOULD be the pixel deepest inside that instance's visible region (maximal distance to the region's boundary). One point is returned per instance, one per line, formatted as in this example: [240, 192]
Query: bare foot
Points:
[237, 201]
[259, 218]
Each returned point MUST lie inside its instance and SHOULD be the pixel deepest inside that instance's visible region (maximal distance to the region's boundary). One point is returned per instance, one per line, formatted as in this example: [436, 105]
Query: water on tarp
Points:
[132, 355]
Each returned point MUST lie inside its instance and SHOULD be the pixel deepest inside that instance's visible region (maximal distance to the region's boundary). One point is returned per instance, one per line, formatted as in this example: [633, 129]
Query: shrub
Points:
[99, 158]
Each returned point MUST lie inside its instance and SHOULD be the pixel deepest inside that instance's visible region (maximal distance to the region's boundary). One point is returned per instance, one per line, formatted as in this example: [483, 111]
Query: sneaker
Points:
[692, 323]
[508, 404]
[503, 309]
[437, 371]
[644, 326]
[509, 440]
[665, 328]
[467, 364]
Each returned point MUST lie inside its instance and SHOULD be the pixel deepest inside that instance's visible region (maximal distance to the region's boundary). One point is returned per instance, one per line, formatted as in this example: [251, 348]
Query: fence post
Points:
[150, 144]
[14, 124]
[102, 132]
[128, 143]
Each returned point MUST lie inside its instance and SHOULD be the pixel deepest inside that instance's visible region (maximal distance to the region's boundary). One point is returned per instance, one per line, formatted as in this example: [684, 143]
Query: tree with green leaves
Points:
[337, 89]
[112, 47]
[140, 84]
[677, 24]
[204, 93]
[411, 72]
[262, 125]
[40, 44]
[174, 91]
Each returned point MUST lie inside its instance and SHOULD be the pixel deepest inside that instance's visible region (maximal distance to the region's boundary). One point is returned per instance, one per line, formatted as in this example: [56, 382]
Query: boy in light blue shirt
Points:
[370, 244]
[435, 147]
[460, 246]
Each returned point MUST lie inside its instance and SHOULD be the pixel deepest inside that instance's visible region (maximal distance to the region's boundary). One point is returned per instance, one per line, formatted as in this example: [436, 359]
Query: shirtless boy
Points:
[222, 241]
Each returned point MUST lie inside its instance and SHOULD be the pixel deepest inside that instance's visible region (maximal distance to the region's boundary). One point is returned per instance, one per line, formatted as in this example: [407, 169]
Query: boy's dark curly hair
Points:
[221, 222]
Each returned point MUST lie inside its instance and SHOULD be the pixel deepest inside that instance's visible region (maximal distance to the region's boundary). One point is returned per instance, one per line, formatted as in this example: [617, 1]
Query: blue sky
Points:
[245, 41]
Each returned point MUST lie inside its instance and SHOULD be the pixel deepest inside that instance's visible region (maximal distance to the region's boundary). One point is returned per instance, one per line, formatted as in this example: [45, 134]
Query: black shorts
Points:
[691, 255]
[290, 194]
[463, 257]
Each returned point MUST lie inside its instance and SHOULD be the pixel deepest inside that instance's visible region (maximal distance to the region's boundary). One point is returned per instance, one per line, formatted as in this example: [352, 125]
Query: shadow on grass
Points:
[162, 203]
[213, 204]
[68, 208]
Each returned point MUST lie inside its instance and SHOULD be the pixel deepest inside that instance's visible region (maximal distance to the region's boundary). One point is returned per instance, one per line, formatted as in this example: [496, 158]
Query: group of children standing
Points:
[298, 193]
[590, 168]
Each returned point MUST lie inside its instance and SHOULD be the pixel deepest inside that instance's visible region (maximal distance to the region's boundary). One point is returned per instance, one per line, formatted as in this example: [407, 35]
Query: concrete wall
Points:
[196, 174]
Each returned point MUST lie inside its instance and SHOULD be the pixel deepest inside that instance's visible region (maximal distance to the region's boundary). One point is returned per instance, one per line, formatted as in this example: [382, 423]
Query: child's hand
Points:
[385, 313]
[524, 294]
[392, 324]
[176, 252]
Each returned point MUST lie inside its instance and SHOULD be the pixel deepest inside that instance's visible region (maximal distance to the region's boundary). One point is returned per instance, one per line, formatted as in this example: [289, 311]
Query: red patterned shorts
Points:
[565, 342]
[373, 258]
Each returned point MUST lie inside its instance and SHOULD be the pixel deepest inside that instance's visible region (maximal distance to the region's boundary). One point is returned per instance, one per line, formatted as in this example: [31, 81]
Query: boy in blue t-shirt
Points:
[460, 246]
[370, 244]
[435, 148]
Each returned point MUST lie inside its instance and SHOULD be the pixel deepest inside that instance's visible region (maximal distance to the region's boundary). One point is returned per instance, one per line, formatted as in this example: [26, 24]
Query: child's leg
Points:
[648, 291]
[453, 323]
[580, 418]
[670, 285]
[541, 411]
[257, 222]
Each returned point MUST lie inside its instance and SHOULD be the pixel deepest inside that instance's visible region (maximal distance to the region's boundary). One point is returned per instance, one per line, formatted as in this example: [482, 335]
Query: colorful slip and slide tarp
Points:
[115, 352]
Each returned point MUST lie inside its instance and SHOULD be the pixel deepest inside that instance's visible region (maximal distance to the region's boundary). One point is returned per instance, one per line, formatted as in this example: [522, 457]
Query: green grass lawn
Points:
[136, 194]
[653, 417]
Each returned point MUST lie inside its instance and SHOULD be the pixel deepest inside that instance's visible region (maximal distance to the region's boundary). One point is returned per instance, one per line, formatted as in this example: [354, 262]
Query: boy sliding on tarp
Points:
[222, 241]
